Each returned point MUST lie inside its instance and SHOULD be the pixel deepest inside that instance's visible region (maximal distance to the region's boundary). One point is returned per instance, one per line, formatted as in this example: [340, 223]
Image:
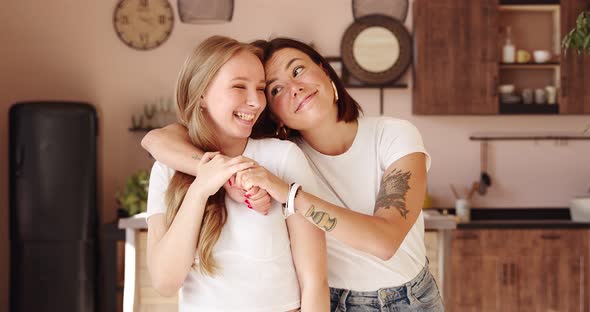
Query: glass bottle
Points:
[508, 51]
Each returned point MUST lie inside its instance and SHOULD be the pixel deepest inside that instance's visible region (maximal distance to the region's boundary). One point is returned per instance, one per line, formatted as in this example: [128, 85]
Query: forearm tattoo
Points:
[393, 192]
[196, 157]
[321, 219]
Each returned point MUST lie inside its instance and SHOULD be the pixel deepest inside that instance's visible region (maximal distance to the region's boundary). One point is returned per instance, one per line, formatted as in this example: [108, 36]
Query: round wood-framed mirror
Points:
[376, 49]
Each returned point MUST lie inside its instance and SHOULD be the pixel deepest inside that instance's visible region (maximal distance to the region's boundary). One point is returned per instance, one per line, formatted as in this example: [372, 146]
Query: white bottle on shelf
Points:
[508, 51]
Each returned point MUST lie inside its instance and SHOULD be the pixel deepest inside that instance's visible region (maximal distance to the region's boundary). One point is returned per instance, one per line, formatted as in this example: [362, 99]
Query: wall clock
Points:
[143, 24]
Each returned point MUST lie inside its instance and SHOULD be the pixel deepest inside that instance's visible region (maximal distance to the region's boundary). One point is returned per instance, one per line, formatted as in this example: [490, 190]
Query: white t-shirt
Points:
[253, 251]
[352, 180]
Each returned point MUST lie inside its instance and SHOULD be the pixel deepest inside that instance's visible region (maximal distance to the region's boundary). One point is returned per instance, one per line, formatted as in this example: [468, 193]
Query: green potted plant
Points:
[579, 37]
[133, 199]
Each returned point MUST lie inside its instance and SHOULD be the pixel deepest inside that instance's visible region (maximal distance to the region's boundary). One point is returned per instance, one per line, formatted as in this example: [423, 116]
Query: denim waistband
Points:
[389, 294]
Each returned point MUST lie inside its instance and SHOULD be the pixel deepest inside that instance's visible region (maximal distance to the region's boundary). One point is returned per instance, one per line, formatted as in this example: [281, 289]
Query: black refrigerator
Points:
[53, 207]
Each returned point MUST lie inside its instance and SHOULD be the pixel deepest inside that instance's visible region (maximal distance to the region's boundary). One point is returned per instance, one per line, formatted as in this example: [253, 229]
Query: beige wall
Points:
[68, 50]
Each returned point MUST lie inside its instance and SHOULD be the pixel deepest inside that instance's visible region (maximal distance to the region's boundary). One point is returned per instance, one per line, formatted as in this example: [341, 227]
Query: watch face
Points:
[143, 24]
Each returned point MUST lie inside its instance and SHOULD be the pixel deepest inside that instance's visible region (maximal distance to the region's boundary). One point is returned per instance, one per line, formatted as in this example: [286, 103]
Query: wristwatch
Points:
[289, 206]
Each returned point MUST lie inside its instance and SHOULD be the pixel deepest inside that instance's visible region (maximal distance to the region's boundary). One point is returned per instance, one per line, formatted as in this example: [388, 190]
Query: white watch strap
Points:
[291, 200]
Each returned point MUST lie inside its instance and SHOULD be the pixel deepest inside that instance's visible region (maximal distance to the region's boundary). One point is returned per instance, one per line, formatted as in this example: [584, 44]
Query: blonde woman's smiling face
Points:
[298, 90]
[235, 97]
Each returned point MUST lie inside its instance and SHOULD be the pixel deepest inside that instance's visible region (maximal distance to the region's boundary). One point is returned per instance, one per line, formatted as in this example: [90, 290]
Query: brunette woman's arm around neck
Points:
[397, 207]
[308, 246]
[171, 146]
[171, 253]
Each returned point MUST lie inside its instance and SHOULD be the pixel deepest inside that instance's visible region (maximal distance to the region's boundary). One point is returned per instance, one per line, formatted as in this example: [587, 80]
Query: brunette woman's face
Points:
[298, 90]
[235, 97]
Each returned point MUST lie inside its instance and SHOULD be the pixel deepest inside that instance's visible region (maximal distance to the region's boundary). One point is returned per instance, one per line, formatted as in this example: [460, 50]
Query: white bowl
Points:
[506, 89]
[580, 209]
[541, 56]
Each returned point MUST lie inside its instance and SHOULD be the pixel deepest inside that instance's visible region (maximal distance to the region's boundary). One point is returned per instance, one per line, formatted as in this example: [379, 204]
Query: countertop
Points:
[136, 222]
[432, 222]
[523, 224]
[521, 218]
[555, 218]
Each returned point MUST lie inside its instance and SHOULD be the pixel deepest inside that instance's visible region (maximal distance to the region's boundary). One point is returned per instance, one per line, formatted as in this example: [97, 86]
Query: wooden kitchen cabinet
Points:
[554, 275]
[457, 66]
[455, 63]
[575, 69]
[478, 277]
[520, 270]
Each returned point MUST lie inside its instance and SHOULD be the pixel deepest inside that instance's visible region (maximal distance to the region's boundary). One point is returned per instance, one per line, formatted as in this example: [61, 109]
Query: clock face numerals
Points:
[143, 24]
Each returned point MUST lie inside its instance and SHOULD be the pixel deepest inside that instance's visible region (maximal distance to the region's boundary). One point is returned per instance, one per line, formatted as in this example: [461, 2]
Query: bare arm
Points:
[171, 146]
[171, 252]
[397, 208]
[308, 245]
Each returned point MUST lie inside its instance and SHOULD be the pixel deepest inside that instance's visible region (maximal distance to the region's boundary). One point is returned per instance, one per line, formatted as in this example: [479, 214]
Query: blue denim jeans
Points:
[419, 294]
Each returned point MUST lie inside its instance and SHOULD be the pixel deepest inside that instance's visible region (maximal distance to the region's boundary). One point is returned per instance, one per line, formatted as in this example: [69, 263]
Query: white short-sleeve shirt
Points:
[352, 180]
[253, 251]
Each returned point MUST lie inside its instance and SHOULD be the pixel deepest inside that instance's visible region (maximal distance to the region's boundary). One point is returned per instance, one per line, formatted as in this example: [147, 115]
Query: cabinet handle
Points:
[504, 273]
[550, 236]
[513, 274]
[469, 236]
[495, 87]
[564, 86]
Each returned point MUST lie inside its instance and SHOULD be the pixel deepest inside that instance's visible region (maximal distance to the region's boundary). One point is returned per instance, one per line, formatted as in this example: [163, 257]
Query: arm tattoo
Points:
[321, 219]
[196, 157]
[393, 192]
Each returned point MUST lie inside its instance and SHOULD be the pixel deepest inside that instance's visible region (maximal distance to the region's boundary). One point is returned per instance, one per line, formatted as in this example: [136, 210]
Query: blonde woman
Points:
[221, 255]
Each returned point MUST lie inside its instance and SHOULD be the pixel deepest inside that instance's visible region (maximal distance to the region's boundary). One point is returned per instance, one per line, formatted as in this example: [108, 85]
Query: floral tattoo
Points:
[393, 192]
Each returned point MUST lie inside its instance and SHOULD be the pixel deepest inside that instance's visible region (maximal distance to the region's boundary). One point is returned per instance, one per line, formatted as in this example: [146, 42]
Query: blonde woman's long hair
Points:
[195, 76]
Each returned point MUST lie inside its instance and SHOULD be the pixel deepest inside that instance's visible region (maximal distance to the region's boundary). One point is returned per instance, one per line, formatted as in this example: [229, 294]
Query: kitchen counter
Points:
[138, 294]
[519, 218]
[522, 224]
[432, 222]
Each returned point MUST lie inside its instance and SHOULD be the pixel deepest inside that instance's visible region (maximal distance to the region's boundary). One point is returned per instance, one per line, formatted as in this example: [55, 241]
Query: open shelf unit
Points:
[548, 65]
[527, 21]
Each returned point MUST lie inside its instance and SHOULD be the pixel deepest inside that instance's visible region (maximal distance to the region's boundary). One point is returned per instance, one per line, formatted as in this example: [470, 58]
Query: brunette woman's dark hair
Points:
[348, 109]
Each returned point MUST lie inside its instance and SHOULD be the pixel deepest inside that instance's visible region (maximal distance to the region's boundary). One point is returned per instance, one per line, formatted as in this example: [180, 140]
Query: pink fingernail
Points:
[230, 184]
[247, 195]
[250, 207]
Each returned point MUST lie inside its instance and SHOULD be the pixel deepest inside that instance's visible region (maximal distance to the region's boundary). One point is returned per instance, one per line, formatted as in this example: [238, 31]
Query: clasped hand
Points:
[243, 179]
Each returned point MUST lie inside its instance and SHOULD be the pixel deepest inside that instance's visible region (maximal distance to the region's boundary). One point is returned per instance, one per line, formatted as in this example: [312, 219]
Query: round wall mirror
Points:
[376, 49]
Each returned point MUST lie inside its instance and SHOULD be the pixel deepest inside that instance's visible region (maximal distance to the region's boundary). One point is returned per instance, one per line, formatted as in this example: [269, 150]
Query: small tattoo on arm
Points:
[393, 192]
[321, 219]
[196, 157]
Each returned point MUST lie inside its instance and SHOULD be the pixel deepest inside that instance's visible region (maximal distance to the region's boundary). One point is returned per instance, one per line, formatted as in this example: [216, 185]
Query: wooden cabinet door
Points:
[479, 278]
[455, 64]
[549, 282]
[521, 270]
[575, 69]
[554, 276]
